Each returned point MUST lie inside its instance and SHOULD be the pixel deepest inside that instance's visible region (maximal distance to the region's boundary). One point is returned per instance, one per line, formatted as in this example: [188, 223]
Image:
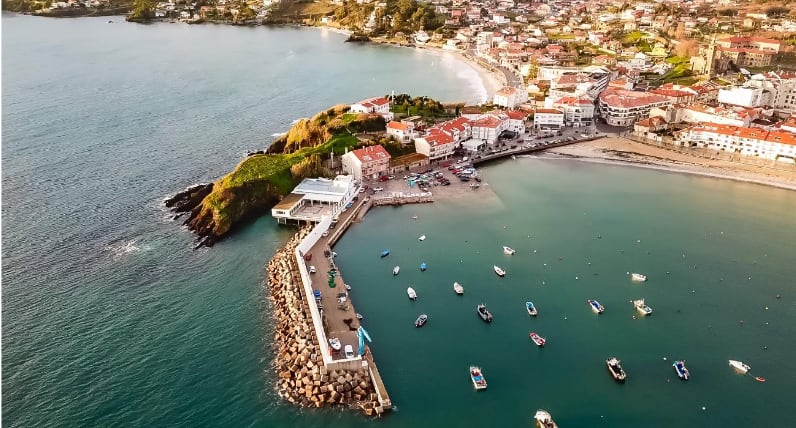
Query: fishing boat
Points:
[423, 267]
[479, 381]
[458, 289]
[740, 366]
[395, 270]
[484, 313]
[642, 307]
[508, 250]
[414, 217]
[421, 320]
[638, 277]
[531, 309]
[359, 316]
[385, 253]
[411, 293]
[615, 368]
[679, 368]
[347, 287]
[500, 272]
[422, 238]
[335, 344]
[760, 379]
[538, 340]
[544, 420]
[596, 306]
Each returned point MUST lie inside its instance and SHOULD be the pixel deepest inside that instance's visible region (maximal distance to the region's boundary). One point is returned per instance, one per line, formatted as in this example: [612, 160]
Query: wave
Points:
[121, 249]
[278, 134]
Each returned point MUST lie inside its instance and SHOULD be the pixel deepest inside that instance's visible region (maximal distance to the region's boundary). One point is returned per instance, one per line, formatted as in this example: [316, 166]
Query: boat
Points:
[500, 272]
[395, 270]
[615, 368]
[359, 316]
[411, 293]
[740, 366]
[508, 250]
[479, 381]
[421, 37]
[538, 340]
[760, 379]
[638, 277]
[414, 217]
[385, 253]
[679, 368]
[347, 287]
[421, 320]
[531, 309]
[544, 420]
[596, 306]
[484, 313]
[422, 238]
[458, 288]
[642, 307]
[335, 344]
[423, 267]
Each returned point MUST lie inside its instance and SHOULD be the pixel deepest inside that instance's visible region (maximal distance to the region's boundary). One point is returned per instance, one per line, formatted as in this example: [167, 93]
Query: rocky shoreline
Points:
[302, 377]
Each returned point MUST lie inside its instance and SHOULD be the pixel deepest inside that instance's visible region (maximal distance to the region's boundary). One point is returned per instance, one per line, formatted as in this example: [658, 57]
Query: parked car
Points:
[378, 189]
[312, 269]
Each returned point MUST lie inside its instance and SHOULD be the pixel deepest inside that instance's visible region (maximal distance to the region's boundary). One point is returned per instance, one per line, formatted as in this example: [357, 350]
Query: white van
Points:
[349, 351]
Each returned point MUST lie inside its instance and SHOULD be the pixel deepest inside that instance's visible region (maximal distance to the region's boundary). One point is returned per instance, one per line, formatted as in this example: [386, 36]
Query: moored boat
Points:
[421, 320]
[538, 340]
[740, 366]
[681, 370]
[638, 277]
[423, 267]
[484, 313]
[596, 306]
[642, 307]
[458, 289]
[422, 238]
[411, 293]
[615, 368]
[531, 308]
[385, 253]
[395, 270]
[544, 420]
[335, 344]
[479, 381]
[508, 250]
[500, 272]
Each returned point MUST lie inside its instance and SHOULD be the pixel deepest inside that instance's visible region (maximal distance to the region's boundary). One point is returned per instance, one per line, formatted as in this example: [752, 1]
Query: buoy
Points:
[576, 278]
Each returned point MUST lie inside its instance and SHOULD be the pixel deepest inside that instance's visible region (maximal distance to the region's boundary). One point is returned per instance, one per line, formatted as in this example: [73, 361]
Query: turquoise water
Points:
[111, 319]
[698, 240]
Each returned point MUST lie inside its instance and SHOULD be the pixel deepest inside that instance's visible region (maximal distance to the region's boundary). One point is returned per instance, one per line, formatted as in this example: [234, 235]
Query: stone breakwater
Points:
[302, 377]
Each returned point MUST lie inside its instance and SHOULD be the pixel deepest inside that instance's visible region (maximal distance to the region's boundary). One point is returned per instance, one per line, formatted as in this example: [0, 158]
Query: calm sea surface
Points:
[111, 319]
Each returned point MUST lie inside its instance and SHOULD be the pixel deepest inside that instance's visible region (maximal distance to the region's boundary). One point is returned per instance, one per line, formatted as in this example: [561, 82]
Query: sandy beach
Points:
[628, 152]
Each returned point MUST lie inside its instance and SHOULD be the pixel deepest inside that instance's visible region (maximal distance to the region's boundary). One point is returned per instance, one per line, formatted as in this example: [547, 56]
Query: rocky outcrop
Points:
[357, 37]
[302, 377]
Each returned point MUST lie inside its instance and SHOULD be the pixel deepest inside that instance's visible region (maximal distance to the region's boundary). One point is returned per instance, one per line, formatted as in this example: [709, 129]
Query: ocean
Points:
[110, 318]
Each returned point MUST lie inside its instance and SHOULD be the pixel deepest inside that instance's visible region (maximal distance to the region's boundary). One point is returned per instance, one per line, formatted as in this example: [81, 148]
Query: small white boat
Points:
[616, 370]
[638, 277]
[395, 270]
[508, 250]
[544, 420]
[740, 366]
[458, 288]
[596, 306]
[681, 370]
[347, 287]
[500, 272]
[531, 309]
[335, 344]
[479, 382]
[421, 320]
[538, 340]
[422, 238]
[414, 217]
[642, 307]
[411, 293]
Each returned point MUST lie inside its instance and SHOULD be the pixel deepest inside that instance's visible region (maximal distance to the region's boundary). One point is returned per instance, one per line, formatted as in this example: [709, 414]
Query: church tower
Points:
[710, 58]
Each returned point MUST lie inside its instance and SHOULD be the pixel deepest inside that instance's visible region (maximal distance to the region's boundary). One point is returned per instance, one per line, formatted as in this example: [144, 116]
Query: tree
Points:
[143, 10]
[777, 11]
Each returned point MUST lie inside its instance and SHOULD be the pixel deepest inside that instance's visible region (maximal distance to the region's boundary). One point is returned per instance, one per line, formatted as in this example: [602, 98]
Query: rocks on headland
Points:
[302, 377]
[357, 37]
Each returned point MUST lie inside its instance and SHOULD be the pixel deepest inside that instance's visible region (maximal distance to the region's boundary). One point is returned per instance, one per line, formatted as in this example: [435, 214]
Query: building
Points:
[619, 107]
[435, 145]
[506, 97]
[775, 145]
[488, 128]
[377, 105]
[367, 162]
[316, 198]
[578, 111]
[405, 163]
[745, 96]
[458, 129]
[402, 131]
[698, 113]
[515, 121]
[548, 119]
[748, 51]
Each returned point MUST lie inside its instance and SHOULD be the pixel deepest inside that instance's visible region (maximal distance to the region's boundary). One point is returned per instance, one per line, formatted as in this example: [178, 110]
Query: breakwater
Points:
[303, 377]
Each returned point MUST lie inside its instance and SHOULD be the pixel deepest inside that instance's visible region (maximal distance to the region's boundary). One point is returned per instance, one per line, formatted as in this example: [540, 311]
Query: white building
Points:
[367, 162]
[487, 128]
[316, 198]
[377, 105]
[548, 119]
[697, 113]
[402, 131]
[775, 145]
[435, 145]
[620, 107]
[458, 129]
[578, 111]
[745, 97]
[506, 97]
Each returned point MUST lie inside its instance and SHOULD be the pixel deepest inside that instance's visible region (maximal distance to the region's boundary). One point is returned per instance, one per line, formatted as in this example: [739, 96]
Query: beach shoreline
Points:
[625, 152]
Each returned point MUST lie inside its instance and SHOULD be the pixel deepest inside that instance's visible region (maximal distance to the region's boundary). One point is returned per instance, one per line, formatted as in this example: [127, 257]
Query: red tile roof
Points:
[487, 121]
[371, 154]
[782, 137]
[398, 126]
[549, 111]
[438, 138]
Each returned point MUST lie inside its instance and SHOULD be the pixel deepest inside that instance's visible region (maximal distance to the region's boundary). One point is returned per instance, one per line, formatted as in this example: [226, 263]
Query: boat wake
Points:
[123, 248]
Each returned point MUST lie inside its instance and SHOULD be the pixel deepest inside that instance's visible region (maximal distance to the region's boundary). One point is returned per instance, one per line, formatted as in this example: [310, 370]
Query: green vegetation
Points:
[25, 5]
[677, 60]
[417, 106]
[398, 16]
[143, 10]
